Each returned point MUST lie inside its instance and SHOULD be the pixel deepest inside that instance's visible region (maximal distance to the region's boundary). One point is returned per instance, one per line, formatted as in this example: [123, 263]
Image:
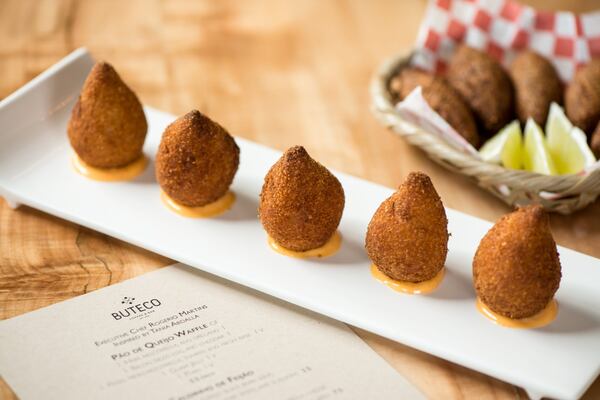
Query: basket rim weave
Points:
[576, 191]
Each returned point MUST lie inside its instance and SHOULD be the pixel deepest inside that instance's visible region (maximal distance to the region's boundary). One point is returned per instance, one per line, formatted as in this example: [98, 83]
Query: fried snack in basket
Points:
[582, 97]
[441, 97]
[484, 85]
[536, 84]
[595, 141]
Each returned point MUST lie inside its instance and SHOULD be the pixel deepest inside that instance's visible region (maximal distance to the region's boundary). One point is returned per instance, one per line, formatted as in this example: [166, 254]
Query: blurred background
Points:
[274, 71]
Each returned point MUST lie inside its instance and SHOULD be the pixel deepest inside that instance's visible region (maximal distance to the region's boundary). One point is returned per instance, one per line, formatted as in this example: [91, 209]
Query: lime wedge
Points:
[567, 144]
[506, 147]
[557, 120]
[537, 158]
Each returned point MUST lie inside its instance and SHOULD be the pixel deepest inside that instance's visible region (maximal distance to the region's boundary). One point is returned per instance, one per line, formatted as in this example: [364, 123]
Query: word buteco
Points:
[136, 309]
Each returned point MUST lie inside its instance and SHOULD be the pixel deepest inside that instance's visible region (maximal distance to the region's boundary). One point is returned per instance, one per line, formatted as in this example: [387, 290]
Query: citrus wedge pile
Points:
[563, 150]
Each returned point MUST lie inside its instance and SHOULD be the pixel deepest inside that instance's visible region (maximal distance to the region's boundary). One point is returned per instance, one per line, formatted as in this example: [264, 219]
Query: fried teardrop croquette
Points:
[516, 269]
[301, 202]
[582, 97]
[484, 85]
[108, 127]
[536, 85]
[441, 97]
[196, 161]
[407, 238]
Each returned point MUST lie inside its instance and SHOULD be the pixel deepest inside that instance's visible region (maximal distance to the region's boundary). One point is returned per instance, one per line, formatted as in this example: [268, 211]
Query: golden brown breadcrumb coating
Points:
[407, 238]
[441, 97]
[536, 84]
[582, 97]
[196, 161]
[301, 202]
[484, 85]
[108, 127]
[516, 269]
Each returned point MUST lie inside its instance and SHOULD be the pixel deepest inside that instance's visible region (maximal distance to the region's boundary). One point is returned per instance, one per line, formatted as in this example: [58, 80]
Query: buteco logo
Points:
[135, 310]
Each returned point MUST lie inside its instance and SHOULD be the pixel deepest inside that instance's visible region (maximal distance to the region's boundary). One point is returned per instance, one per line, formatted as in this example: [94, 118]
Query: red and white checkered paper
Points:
[504, 27]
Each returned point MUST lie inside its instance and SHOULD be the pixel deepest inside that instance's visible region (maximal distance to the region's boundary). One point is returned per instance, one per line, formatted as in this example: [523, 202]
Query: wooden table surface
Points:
[277, 72]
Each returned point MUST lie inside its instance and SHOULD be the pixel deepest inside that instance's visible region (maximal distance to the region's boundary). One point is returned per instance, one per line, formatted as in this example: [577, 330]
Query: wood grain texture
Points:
[277, 72]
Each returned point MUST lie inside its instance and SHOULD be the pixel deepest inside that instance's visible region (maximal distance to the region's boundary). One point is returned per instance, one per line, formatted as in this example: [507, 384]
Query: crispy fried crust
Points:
[407, 238]
[441, 97]
[536, 84]
[484, 85]
[196, 161]
[582, 97]
[107, 128]
[301, 202]
[516, 269]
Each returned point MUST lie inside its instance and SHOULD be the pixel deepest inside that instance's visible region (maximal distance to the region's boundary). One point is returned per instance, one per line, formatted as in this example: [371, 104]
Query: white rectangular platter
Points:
[558, 361]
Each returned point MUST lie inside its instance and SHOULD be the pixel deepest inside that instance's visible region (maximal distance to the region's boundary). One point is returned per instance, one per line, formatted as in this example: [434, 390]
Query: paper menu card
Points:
[179, 333]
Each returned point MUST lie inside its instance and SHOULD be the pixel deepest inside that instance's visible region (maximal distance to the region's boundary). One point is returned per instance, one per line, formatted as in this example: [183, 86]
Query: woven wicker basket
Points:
[514, 187]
